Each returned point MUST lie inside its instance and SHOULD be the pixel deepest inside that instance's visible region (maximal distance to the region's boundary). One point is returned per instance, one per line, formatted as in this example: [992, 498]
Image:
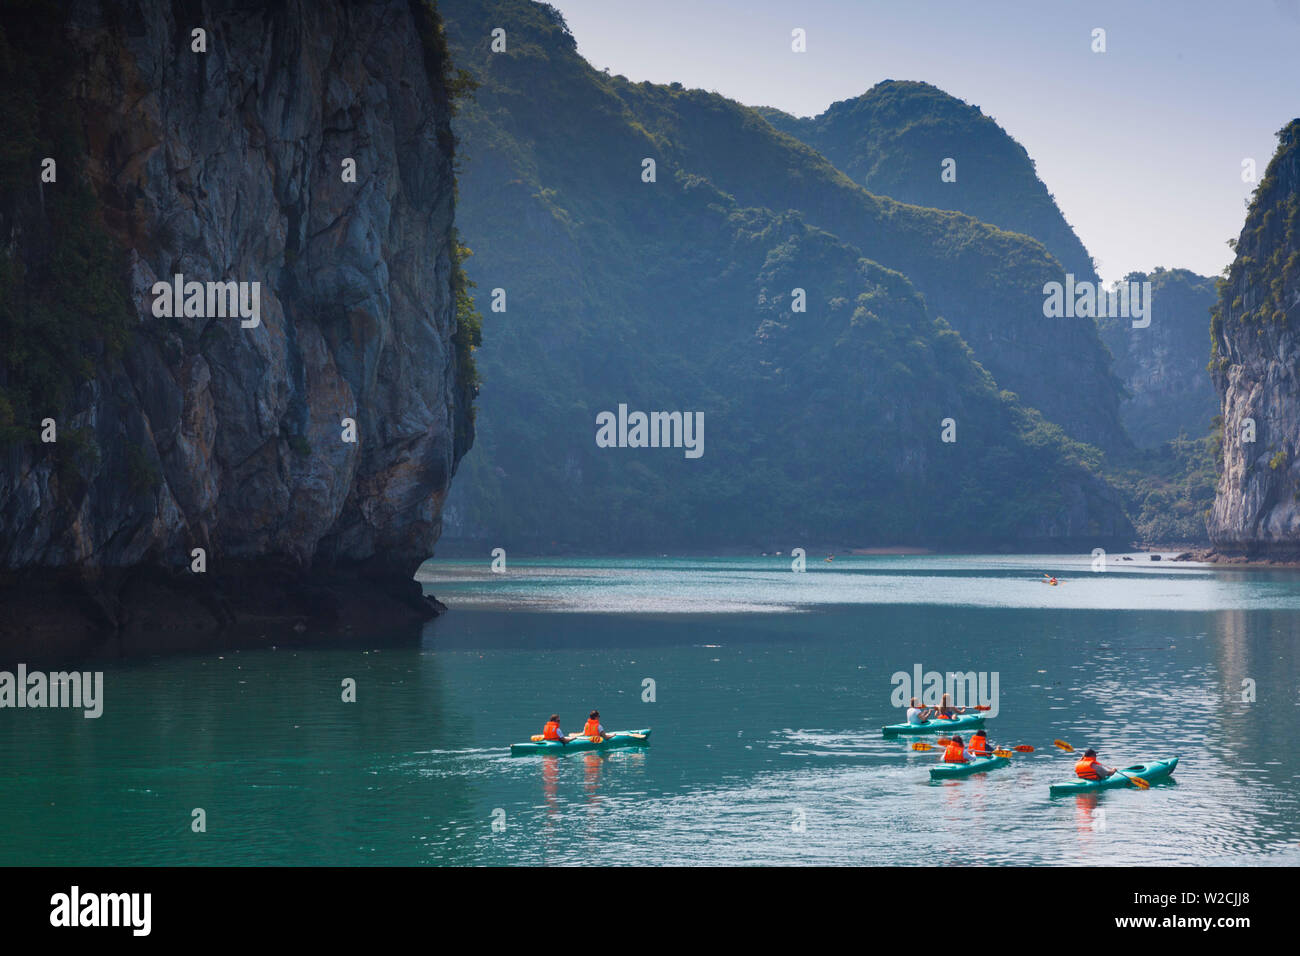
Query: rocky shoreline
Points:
[1290, 559]
[51, 614]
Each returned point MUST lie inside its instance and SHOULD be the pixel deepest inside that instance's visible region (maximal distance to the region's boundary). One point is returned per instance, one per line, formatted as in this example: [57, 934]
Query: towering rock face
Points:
[1255, 339]
[230, 165]
[1163, 365]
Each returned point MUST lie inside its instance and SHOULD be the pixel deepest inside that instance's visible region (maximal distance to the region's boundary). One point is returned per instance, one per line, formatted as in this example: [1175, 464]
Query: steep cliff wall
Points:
[197, 432]
[1255, 338]
[1163, 365]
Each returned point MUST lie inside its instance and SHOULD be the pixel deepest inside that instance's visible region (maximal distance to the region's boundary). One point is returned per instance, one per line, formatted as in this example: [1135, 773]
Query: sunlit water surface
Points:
[769, 689]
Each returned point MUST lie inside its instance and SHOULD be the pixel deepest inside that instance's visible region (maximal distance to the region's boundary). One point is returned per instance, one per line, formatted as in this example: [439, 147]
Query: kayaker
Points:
[1090, 768]
[979, 744]
[955, 752]
[552, 730]
[946, 711]
[594, 728]
[917, 715]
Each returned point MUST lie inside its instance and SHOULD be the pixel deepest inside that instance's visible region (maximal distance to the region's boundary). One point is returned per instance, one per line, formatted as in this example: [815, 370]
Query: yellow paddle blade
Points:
[1139, 783]
[1003, 753]
[1023, 748]
[922, 745]
[1064, 746]
[535, 737]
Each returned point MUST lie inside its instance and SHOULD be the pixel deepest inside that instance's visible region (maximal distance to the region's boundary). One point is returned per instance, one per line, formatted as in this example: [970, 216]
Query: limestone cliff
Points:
[1255, 341]
[220, 164]
[1162, 365]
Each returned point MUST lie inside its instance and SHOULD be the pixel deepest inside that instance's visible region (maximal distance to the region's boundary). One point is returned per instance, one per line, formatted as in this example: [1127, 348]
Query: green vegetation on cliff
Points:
[451, 84]
[1169, 489]
[63, 296]
[1272, 225]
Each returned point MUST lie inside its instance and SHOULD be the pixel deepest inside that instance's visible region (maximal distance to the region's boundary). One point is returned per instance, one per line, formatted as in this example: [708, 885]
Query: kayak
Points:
[616, 739]
[1151, 772]
[937, 725]
[946, 771]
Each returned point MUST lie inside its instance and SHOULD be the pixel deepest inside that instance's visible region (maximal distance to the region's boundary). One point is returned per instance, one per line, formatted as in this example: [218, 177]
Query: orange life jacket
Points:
[551, 731]
[592, 728]
[979, 744]
[1087, 769]
[955, 753]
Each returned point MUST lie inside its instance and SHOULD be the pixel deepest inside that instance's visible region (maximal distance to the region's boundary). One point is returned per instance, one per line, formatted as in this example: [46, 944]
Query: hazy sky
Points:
[1142, 145]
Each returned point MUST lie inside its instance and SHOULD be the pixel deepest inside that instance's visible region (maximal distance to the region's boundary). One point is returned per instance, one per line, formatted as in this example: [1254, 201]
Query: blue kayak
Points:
[616, 739]
[936, 725]
[1152, 772]
[946, 771]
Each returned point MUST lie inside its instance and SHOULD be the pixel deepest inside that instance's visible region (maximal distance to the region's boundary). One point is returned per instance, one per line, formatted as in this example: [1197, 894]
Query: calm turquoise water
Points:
[770, 689]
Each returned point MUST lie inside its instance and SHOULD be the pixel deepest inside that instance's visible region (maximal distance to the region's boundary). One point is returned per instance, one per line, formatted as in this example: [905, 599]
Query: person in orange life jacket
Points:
[552, 730]
[946, 711]
[1090, 768]
[979, 744]
[593, 728]
[955, 752]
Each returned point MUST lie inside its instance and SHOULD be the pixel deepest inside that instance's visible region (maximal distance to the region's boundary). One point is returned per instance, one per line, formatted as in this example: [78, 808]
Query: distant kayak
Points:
[1150, 772]
[616, 739]
[936, 725]
[946, 771]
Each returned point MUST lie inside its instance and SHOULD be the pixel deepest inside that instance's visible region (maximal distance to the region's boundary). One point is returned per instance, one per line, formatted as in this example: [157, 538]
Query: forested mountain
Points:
[679, 294]
[894, 139]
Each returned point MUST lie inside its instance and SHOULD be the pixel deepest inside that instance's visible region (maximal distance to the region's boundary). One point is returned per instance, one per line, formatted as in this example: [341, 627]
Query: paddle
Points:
[619, 733]
[922, 746]
[1136, 781]
[1021, 748]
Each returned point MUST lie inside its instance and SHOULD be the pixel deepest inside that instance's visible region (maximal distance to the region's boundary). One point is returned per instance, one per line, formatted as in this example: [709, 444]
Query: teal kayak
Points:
[616, 739]
[1151, 772]
[946, 771]
[935, 726]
